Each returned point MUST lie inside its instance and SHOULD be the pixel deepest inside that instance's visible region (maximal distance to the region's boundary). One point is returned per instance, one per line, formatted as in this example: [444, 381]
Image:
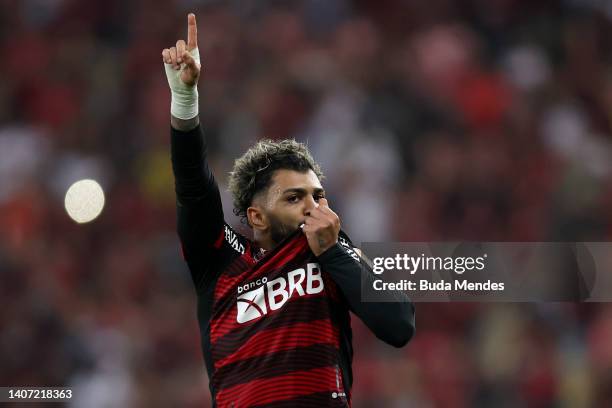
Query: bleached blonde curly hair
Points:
[252, 173]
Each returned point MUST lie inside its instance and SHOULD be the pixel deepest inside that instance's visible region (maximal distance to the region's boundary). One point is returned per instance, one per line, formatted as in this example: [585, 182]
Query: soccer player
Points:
[273, 311]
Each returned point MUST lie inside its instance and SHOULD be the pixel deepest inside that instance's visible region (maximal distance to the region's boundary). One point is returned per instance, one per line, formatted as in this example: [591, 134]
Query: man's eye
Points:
[293, 199]
[318, 197]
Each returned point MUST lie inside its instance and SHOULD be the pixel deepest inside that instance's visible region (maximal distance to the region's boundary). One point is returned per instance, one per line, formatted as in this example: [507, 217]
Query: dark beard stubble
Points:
[278, 230]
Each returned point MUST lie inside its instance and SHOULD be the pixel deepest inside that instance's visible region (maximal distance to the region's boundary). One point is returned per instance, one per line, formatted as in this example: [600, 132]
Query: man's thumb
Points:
[189, 61]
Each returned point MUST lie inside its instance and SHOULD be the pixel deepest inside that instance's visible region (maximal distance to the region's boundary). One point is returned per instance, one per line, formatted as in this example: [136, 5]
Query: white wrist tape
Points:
[184, 103]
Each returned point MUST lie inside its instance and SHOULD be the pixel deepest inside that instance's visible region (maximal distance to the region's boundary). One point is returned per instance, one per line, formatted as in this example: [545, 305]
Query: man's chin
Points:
[292, 230]
[282, 232]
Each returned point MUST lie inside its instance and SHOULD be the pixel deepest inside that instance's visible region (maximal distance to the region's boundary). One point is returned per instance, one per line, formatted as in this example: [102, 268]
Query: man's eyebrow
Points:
[298, 190]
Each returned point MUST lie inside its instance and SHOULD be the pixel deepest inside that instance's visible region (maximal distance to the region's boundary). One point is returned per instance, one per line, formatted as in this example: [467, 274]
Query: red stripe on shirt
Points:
[273, 389]
[284, 338]
[219, 240]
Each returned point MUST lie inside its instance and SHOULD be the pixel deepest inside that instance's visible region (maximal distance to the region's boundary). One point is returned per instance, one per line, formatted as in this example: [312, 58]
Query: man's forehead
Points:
[284, 179]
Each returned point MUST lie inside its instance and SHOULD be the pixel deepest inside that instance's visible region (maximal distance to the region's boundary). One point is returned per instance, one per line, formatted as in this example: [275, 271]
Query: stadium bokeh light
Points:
[84, 200]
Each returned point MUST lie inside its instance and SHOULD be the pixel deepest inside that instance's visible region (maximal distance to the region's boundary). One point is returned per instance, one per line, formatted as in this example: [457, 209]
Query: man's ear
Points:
[257, 219]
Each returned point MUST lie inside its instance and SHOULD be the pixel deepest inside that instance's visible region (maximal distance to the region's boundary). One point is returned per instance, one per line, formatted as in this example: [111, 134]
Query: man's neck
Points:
[263, 240]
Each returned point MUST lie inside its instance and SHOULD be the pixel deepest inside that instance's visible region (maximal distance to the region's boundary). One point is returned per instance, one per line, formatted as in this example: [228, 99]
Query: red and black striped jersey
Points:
[275, 329]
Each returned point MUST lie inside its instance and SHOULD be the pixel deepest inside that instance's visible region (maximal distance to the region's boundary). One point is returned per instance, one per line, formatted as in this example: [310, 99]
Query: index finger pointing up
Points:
[192, 32]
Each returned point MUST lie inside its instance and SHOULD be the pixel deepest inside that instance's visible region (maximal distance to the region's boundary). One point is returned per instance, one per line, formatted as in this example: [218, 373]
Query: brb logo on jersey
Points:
[273, 294]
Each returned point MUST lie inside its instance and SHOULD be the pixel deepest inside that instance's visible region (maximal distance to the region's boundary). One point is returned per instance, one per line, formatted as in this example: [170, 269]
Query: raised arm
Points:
[182, 64]
[199, 209]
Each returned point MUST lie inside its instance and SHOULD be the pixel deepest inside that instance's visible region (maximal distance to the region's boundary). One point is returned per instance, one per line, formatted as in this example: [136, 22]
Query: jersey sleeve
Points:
[200, 221]
[392, 321]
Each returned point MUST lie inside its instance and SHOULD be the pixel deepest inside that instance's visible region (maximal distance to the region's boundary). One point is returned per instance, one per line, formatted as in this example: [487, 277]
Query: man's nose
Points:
[309, 204]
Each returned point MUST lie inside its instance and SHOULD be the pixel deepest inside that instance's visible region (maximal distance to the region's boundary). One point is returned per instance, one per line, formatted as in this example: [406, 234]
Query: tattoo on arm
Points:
[184, 125]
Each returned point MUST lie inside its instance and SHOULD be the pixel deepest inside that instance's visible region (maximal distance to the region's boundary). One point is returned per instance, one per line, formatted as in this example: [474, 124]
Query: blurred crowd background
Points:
[433, 120]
